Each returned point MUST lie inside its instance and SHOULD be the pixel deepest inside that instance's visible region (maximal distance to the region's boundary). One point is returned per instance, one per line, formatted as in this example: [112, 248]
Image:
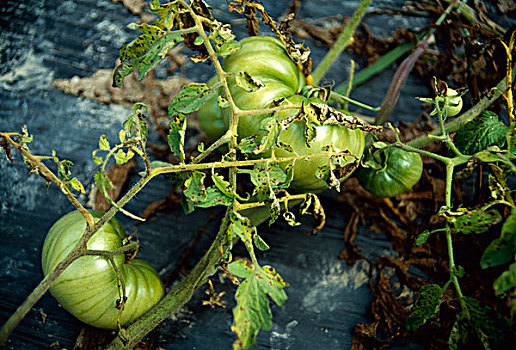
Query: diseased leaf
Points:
[191, 97]
[248, 82]
[426, 306]
[260, 243]
[104, 143]
[223, 39]
[264, 140]
[63, 170]
[77, 185]
[176, 136]
[480, 322]
[252, 311]
[337, 168]
[327, 115]
[225, 187]
[197, 195]
[480, 133]
[502, 249]
[477, 221]
[103, 183]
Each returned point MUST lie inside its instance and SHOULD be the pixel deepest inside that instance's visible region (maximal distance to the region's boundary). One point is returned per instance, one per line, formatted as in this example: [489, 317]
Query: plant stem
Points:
[237, 163]
[342, 42]
[344, 100]
[464, 118]
[179, 294]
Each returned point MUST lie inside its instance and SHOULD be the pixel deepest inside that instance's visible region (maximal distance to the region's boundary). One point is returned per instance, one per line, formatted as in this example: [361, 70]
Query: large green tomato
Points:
[266, 60]
[391, 171]
[88, 288]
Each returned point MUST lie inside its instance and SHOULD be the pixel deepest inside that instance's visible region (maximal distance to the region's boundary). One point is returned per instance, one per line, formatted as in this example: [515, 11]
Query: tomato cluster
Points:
[267, 61]
[89, 288]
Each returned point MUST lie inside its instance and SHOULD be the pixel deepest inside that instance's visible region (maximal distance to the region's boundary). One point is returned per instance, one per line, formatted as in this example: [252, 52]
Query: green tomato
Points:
[390, 171]
[88, 288]
[340, 137]
[454, 102]
[266, 60]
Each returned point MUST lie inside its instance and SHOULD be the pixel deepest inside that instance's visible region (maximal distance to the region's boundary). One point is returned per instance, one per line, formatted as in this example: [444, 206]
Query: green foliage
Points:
[503, 249]
[478, 324]
[477, 221]
[191, 97]
[252, 311]
[481, 133]
[506, 281]
[265, 139]
[199, 195]
[338, 167]
[426, 306]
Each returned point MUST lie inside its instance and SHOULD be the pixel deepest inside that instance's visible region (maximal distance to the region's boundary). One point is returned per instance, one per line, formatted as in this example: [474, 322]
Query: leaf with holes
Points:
[252, 311]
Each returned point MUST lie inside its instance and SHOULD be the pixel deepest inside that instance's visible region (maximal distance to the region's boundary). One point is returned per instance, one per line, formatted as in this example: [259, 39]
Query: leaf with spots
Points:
[477, 221]
[426, 306]
[338, 167]
[480, 133]
[266, 137]
[191, 97]
[223, 39]
[479, 324]
[145, 52]
[196, 194]
[252, 311]
[176, 136]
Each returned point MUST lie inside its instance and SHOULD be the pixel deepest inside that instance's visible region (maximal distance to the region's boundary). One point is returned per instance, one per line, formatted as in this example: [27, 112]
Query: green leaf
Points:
[423, 237]
[260, 243]
[426, 306]
[477, 221]
[197, 195]
[480, 133]
[502, 249]
[225, 187]
[248, 82]
[104, 143]
[146, 51]
[252, 311]
[191, 97]
[266, 137]
[103, 183]
[506, 281]
[176, 136]
[63, 170]
[223, 39]
[480, 322]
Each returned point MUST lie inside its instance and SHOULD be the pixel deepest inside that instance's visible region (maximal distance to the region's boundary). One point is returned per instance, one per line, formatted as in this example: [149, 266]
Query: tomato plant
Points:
[269, 65]
[88, 288]
[390, 171]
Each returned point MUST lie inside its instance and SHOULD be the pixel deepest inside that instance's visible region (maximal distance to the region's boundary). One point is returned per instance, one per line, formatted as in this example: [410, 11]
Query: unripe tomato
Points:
[391, 172]
[454, 102]
[266, 60]
[88, 288]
